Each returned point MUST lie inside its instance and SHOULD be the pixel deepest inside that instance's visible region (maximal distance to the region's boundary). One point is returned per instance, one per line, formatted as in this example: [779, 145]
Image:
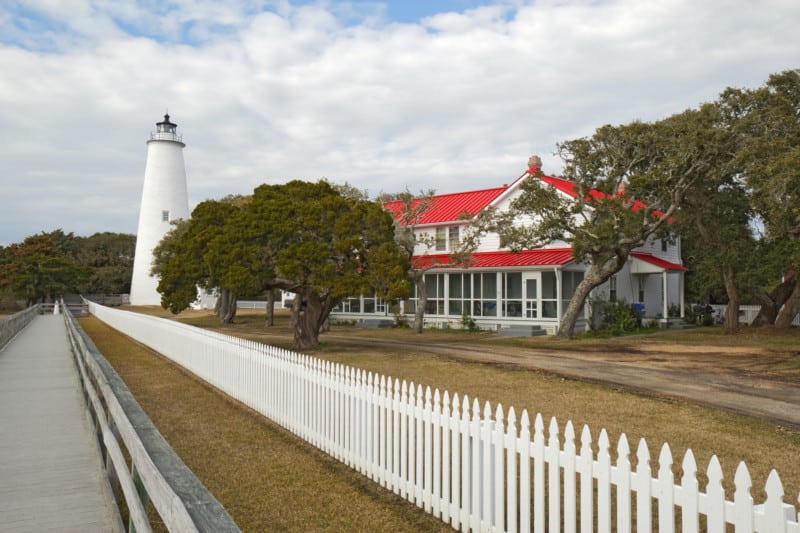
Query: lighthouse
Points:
[164, 199]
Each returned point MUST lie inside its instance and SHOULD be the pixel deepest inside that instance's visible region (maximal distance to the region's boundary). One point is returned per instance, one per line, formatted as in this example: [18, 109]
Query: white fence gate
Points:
[476, 469]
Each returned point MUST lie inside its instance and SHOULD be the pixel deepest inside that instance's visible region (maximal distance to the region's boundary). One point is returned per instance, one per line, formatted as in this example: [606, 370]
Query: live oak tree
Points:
[409, 213]
[310, 239]
[196, 254]
[629, 181]
[109, 258]
[41, 267]
[768, 126]
[740, 220]
[409, 210]
[716, 214]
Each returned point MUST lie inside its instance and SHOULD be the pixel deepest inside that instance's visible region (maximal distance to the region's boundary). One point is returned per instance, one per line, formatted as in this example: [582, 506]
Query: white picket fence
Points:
[476, 469]
[747, 313]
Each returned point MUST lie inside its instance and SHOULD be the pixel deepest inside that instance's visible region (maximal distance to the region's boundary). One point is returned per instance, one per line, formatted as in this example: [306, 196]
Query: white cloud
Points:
[268, 91]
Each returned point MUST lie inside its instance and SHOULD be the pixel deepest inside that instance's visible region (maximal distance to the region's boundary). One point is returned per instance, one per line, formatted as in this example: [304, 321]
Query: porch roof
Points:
[661, 264]
[525, 258]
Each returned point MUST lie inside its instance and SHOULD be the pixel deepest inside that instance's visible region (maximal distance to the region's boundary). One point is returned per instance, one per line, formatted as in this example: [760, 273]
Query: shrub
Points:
[468, 323]
[619, 317]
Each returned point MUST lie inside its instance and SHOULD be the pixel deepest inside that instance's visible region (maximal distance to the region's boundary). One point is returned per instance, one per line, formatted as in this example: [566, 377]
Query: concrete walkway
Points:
[50, 471]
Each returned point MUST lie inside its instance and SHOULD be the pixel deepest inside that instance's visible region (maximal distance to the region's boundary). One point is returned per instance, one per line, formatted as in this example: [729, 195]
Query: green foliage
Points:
[741, 220]
[48, 265]
[109, 257]
[41, 267]
[316, 240]
[690, 317]
[468, 323]
[199, 253]
[8, 301]
[602, 221]
[619, 318]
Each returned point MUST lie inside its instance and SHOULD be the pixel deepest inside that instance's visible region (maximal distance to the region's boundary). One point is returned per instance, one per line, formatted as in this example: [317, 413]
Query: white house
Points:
[501, 289]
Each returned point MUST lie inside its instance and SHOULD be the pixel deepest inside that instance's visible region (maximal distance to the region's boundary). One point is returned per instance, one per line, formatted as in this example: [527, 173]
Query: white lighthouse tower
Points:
[164, 199]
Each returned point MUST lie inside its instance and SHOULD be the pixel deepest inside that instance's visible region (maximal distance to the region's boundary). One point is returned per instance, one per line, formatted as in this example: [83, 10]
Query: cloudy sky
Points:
[385, 95]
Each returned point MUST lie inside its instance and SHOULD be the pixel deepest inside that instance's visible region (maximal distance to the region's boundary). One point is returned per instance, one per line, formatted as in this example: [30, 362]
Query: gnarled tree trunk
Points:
[732, 310]
[771, 303]
[296, 305]
[311, 319]
[269, 320]
[422, 301]
[225, 308]
[595, 276]
[790, 309]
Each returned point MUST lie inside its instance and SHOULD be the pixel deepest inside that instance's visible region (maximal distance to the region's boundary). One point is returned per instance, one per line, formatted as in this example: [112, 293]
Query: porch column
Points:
[666, 295]
[558, 293]
[680, 291]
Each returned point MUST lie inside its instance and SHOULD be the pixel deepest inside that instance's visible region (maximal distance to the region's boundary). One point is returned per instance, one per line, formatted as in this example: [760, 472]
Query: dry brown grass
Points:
[266, 479]
[762, 446]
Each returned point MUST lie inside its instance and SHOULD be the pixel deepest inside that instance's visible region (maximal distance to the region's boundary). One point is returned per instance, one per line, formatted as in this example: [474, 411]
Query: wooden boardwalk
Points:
[50, 470]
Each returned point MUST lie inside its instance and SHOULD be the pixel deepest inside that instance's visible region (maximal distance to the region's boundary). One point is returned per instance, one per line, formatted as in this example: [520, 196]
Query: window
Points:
[434, 290]
[612, 288]
[512, 294]
[455, 302]
[569, 282]
[165, 216]
[453, 238]
[410, 305]
[484, 293]
[549, 295]
[664, 245]
[349, 305]
[441, 239]
[641, 289]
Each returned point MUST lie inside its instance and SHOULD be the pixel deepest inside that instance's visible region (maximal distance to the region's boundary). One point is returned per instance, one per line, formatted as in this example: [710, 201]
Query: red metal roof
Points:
[661, 263]
[540, 257]
[453, 207]
[458, 206]
[568, 187]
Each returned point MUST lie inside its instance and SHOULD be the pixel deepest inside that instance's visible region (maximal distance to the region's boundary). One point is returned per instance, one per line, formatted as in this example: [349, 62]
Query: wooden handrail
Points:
[157, 475]
[11, 325]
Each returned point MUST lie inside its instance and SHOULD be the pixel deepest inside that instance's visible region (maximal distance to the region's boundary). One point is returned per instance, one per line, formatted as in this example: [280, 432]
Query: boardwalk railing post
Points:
[141, 491]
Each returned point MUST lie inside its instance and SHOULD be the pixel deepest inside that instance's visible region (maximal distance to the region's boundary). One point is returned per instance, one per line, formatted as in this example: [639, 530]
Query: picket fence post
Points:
[742, 500]
[466, 465]
[643, 487]
[455, 464]
[666, 491]
[623, 483]
[603, 474]
[552, 456]
[586, 472]
[511, 472]
[568, 462]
